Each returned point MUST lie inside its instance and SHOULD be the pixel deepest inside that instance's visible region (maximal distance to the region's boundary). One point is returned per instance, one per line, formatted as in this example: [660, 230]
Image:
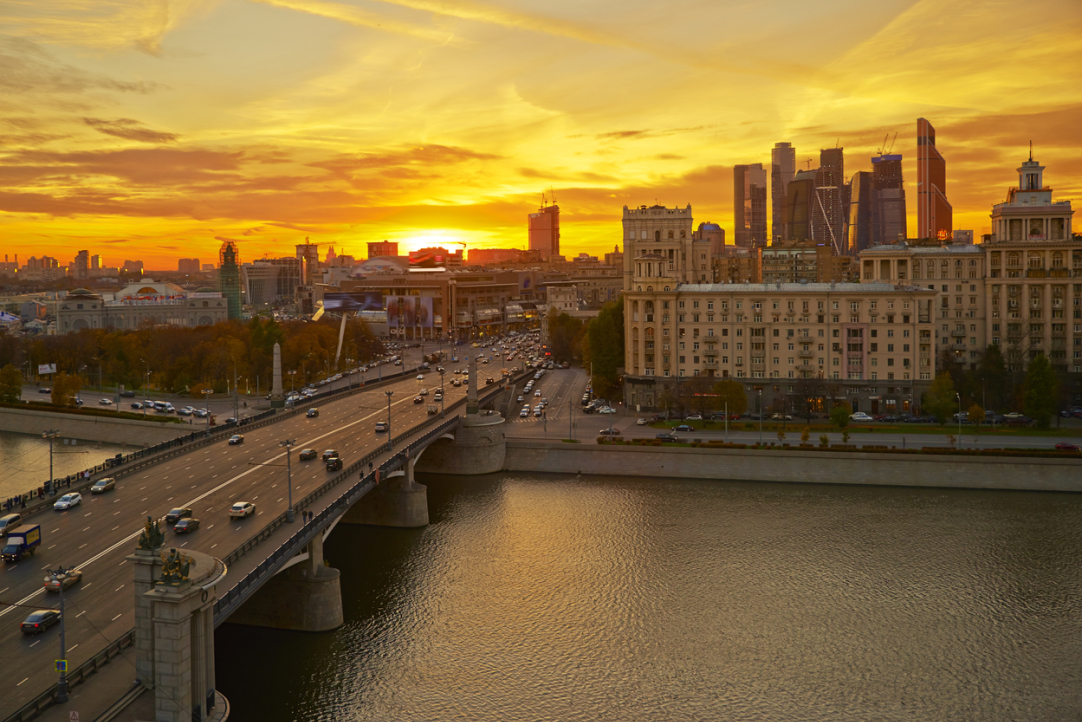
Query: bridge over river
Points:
[100, 535]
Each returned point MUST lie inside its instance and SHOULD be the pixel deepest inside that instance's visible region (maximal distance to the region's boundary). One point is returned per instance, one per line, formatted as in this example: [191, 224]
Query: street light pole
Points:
[390, 443]
[959, 397]
[760, 417]
[58, 575]
[442, 372]
[50, 435]
[287, 445]
[206, 400]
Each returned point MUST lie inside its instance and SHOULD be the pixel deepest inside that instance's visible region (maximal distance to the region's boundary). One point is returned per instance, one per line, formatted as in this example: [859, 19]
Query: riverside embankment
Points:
[94, 428]
[794, 465]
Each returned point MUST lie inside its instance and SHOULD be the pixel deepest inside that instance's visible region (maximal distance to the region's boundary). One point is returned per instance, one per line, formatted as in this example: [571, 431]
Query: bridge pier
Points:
[397, 501]
[305, 597]
[478, 447]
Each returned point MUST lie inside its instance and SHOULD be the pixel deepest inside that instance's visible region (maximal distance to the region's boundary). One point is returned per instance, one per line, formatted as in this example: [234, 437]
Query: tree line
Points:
[189, 360]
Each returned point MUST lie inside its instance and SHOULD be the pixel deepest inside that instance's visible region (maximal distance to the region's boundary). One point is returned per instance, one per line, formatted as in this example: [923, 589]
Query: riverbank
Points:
[129, 432]
[798, 466]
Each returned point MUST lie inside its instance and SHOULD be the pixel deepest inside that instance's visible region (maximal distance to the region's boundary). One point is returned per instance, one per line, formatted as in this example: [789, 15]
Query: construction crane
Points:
[885, 149]
[809, 162]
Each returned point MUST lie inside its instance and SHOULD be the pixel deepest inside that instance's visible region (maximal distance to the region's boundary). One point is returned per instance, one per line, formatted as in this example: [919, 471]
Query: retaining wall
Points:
[797, 466]
[95, 428]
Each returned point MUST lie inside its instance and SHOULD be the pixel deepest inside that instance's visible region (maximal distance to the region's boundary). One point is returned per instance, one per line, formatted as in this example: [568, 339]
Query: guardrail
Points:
[44, 700]
[239, 592]
[180, 445]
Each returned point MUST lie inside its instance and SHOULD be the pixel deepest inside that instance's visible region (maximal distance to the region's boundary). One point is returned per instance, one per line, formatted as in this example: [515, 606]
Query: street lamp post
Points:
[292, 375]
[206, 400]
[760, 417]
[50, 435]
[58, 575]
[389, 437]
[287, 445]
[236, 391]
[442, 372]
[959, 397]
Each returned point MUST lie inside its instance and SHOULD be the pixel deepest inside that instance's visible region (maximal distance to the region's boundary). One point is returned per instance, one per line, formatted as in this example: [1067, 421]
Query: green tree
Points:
[975, 414]
[1040, 391]
[839, 416]
[941, 400]
[991, 375]
[66, 388]
[11, 384]
[603, 347]
[731, 392]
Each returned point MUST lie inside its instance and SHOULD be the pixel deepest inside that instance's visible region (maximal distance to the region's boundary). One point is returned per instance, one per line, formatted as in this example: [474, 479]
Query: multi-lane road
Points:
[97, 534]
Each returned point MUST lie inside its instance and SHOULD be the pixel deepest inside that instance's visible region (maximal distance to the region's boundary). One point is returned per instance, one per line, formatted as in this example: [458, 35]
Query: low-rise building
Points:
[140, 304]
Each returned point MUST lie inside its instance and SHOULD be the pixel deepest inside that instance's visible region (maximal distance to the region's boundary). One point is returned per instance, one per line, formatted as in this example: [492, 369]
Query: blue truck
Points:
[20, 542]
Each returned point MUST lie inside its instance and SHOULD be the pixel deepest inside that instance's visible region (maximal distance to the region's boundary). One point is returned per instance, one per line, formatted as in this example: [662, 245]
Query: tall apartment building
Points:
[188, 265]
[229, 278]
[309, 253]
[749, 206]
[934, 212]
[713, 234]
[660, 249]
[782, 170]
[81, 266]
[382, 248]
[544, 231]
[1035, 277]
[132, 266]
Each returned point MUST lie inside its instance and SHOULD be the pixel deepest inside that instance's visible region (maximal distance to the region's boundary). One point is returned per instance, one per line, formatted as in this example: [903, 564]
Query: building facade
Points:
[229, 277]
[935, 217]
[782, 170]
[382, 248]
[139, 305]
[543, 228]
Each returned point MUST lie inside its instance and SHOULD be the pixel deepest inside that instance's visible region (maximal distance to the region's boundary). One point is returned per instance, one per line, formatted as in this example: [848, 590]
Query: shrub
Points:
[824, 441]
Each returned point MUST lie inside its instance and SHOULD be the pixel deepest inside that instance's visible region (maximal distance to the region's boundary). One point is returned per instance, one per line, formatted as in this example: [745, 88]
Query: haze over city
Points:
[155, 131]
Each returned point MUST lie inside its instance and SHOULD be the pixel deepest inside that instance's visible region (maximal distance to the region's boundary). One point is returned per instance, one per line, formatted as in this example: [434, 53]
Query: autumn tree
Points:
[11, 384]
[66, 388]
[1040, 391]
[940, 400]
[732, 393]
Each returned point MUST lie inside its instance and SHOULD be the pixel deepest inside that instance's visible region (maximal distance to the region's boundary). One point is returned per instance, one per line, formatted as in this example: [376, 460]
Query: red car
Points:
[1064, 446]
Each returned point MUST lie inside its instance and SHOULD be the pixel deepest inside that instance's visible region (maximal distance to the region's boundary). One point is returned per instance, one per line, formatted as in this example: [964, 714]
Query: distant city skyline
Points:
[435, 123]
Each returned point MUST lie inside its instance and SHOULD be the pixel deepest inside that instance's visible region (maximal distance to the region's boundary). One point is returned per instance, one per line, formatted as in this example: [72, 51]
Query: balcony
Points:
[711, 351]
[958, 333]
[805, 368]
[806, 353]
[710, 364]
[958, 346]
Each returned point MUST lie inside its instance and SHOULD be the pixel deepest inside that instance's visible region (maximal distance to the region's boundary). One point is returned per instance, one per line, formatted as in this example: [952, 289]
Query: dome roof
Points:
[80, 292]
[709, 227]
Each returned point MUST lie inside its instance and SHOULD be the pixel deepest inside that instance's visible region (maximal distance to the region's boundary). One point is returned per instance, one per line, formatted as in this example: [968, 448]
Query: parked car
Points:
[68, 501]
[778, 417]
[1064, 446]
[236, 439]
[103, 485]
[186, 526]
[39, 621]
[241, 509]
[859, 416]
[694, 417]
[642, 422]
[307, 454]
[177, 514]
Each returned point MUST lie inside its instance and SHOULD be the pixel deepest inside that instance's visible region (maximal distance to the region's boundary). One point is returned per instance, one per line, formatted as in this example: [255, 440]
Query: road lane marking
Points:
[72, 647]
[115, 528]
[83, 544]
[20, 683]
[115, 513]
[87, 514]
[118, 588]
[48, 548]
[80, 614]
[87, 529]
[117, 617]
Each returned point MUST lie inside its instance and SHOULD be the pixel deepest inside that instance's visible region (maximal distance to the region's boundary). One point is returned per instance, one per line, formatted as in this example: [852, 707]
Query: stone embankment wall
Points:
[794, 466]
[95, 428]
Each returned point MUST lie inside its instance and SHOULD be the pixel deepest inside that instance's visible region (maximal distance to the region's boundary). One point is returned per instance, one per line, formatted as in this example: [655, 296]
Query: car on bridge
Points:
[381, 426]
[334, 463]
[175, 515]
[186, 526]
[39, 621]
[68, 501]
[71, 578]
[241, 509]
[329, 454]
[308, 454]
[103, 485]
[312, 413]
[418, 400]
[236, 439]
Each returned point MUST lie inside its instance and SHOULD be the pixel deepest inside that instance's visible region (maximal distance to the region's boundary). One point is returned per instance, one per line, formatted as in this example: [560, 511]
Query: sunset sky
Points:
[152, 129]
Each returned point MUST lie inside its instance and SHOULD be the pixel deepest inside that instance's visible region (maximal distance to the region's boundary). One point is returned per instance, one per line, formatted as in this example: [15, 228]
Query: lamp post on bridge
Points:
[442, 372]
[287, 445]
[390, 445]
[50, 435]
[59, 575]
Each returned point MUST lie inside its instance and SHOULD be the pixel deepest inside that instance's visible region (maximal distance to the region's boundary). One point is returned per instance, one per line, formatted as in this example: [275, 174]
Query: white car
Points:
[606, 410]
[105, 402]
[241, 509]
[642, 422]
[67, 501]
[859, 416]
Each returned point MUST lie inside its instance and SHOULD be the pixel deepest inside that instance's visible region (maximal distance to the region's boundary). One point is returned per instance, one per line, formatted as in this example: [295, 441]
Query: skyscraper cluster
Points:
[822, 206]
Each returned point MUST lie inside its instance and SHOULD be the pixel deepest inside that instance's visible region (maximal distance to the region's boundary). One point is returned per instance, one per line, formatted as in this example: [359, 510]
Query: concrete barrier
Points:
[94, 428]
[798, 466]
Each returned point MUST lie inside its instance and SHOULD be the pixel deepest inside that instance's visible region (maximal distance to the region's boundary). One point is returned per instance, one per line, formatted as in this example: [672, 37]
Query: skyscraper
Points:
[309, 252]
[229, 277]
[800, 196]
[889, 189]
[828, 206]
[749, 205]
[544, 231]
[859, 235]
[782, 170]
[934, 213]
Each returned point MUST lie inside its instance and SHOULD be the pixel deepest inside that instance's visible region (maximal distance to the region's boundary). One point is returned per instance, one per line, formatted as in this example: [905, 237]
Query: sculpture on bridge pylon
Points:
[175, 568]
[152, 536]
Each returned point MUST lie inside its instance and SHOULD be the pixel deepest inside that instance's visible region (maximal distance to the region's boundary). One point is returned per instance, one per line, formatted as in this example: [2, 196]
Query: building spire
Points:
[1031, 150]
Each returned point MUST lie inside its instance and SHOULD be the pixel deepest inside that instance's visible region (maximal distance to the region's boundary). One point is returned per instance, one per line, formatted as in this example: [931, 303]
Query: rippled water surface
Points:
[564, 598]
[24, 460]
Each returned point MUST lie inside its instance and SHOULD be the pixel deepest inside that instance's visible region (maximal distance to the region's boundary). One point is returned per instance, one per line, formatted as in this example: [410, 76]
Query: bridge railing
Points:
[45, 699]
[266, 569]
[125, 464]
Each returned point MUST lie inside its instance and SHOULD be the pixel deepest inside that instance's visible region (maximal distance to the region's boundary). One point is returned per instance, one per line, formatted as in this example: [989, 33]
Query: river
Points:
[533, 597]
[24, 459]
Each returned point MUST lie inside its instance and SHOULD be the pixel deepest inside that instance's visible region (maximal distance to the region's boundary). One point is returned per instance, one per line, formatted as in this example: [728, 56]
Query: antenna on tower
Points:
[1031, 150]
